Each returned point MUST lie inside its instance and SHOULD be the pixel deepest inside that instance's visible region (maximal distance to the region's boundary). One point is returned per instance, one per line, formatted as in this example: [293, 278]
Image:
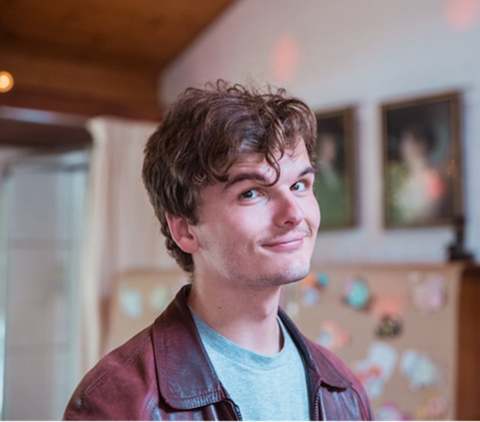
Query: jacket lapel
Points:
[322, 369]
[185, 375]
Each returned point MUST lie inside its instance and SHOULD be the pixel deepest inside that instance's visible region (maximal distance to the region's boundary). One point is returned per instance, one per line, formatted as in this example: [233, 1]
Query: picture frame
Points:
[422, 168]
[335, 187]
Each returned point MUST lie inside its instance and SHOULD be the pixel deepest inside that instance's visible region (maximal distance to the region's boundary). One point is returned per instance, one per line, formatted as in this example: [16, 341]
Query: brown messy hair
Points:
[204, 133]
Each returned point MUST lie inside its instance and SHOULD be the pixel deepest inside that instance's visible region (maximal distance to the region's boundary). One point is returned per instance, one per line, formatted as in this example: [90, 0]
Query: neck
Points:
[248, 317]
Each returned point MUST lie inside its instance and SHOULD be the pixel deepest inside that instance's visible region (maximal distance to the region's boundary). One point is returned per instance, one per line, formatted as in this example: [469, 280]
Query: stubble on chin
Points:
[295, 272]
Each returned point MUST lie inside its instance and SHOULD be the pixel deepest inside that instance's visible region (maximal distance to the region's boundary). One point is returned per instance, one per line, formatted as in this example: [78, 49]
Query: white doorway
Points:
[42, 213]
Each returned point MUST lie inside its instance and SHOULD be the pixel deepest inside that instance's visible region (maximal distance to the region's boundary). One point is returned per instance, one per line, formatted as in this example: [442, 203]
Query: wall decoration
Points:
[420, 369]
[433, 408]
[131, 302]
[422, 161]
[310, 296]
[311, 288]
[356, 293]
[332, 337]
[335, 187]
[323, 279]
[377, 368]
[159, 299]
[391, 412]
[384, 306]
[390, 327]
[428, 291]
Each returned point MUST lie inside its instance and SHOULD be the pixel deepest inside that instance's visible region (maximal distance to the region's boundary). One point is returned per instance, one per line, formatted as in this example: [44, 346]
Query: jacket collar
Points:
[185, 375]
[321, 366]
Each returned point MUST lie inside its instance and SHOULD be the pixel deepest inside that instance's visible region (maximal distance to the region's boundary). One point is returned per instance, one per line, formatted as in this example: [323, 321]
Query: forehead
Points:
[252, 161]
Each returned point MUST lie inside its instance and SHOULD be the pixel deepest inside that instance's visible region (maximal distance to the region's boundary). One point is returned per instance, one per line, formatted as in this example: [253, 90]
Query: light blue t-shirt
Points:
[270, 388]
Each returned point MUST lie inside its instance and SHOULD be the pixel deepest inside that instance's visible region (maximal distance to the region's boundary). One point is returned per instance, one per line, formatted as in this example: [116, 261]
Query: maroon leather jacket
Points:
[164, 373]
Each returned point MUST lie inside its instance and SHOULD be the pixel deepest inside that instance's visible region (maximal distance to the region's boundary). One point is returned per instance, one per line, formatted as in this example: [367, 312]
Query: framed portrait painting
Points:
[422, 161]
[334, 186]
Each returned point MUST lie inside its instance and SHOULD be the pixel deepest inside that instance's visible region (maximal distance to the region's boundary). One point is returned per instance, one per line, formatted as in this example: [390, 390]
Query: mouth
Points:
[286, 244]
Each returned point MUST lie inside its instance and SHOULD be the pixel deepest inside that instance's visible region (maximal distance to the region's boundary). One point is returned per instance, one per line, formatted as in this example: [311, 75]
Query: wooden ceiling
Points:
[96, 56]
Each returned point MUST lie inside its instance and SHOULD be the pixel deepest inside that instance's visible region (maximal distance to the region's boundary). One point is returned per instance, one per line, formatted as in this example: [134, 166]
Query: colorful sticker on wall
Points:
[356, 293]
[159, 299]
[323, 279]
[311, 288]
[377, 368]
[391, 412]
[310, 296]
[384, 306]
[389, 327]
[434, 407]
[420, 369]
[131, 302]
[332, 337]
[428, 291]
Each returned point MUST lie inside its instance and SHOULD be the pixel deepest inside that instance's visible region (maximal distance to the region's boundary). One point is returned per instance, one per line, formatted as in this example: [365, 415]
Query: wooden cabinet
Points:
[468, 376]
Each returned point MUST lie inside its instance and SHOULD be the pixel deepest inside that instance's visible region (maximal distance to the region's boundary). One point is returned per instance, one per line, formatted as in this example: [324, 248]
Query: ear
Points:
[182, 234]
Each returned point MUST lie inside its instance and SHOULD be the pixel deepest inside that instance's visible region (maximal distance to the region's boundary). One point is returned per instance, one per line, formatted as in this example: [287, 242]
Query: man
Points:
[230, 175]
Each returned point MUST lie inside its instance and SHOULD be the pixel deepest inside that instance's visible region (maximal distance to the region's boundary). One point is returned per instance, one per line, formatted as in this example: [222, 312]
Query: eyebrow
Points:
[257, 177]
[240, 177]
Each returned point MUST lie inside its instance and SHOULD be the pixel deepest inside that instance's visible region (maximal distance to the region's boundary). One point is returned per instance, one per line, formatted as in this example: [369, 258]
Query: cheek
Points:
[242, 225]
[313, 211]
[244, 229]
[232, 227]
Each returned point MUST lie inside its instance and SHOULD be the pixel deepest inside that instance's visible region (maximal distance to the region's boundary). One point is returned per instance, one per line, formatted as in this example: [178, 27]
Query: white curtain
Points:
[122, 232]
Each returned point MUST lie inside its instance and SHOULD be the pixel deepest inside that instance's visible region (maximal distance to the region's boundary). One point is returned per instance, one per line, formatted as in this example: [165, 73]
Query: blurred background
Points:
[82, 264]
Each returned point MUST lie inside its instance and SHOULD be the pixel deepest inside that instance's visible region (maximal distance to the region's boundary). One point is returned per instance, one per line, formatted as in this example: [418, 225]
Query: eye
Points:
[250, 194]
[299, 186]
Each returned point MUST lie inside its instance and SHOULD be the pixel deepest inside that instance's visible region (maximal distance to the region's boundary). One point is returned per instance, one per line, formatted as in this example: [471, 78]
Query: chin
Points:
[297, 273]
[270, 274]
[294, 272]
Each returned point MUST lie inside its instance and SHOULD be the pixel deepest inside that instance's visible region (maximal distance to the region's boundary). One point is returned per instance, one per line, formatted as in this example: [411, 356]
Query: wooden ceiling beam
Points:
[96, 56]
[55, 84]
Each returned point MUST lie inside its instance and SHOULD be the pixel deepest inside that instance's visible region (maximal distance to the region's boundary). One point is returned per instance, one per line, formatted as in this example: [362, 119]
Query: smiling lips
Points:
[286, 244]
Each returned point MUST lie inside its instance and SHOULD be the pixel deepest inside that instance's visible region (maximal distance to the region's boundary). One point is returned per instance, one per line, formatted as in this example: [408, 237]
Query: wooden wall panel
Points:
[85, 88]
[152, 31]
[96, 56]
[468, 399]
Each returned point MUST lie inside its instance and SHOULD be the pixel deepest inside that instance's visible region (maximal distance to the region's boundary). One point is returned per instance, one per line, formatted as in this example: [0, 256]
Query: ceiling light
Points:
[6, 81]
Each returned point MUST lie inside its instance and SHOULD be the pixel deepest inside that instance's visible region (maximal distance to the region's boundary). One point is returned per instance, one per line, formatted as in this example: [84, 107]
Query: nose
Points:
[288, 212]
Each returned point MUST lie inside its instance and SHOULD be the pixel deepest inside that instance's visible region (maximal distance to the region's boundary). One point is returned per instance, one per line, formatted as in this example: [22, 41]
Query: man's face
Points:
[257, 235]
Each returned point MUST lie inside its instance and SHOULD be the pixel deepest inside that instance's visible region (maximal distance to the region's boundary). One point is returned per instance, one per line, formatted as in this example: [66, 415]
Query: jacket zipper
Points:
[316, 403]
[236, 410]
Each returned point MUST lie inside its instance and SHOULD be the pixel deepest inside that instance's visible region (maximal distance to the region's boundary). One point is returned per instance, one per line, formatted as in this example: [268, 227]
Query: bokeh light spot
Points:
[285, 58]
[462, 15]
[6, 81]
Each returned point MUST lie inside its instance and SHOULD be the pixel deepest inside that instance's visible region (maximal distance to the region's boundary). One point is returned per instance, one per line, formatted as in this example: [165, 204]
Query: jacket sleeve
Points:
[121, 386]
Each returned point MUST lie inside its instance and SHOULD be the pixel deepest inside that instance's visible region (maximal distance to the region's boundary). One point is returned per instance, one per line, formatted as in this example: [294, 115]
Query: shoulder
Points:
[119, 385]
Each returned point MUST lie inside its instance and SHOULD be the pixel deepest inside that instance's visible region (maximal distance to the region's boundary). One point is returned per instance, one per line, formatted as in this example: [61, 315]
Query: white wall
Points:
[362, 53]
